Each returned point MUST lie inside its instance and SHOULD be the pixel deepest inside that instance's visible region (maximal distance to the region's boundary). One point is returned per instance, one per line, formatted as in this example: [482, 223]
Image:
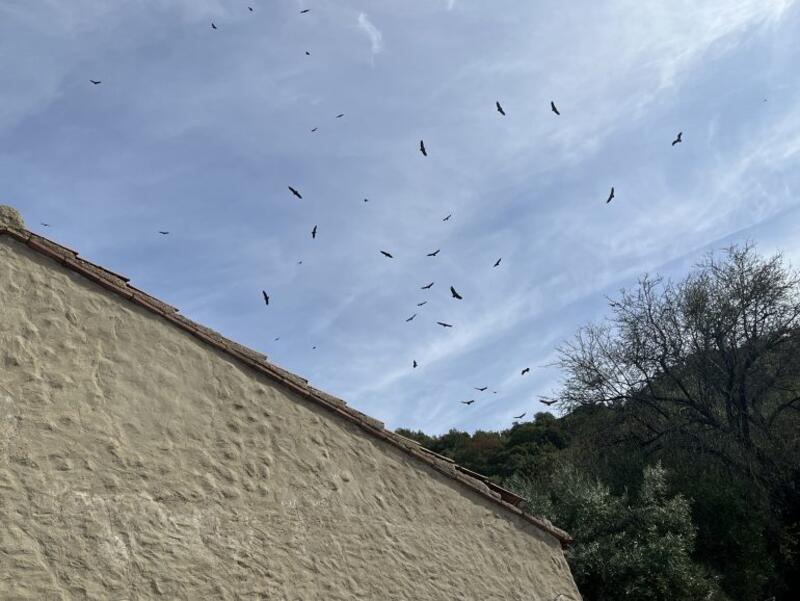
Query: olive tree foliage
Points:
[711, 363]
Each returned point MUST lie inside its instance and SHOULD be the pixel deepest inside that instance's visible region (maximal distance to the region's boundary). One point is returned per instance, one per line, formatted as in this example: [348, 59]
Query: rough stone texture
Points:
[138, 463]
[11, 217]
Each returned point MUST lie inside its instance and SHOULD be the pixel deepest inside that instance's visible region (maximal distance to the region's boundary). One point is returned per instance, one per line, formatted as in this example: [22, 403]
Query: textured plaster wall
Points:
[138, 463]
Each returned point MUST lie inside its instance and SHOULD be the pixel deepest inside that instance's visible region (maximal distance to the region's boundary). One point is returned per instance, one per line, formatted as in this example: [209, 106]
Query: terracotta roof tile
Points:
[258, 361]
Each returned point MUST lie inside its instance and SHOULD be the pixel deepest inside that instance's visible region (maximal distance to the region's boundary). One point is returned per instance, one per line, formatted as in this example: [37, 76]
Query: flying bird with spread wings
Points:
[412, 317]
[553, 108]
[469, 402]
[163, 233]
[444, 325]
[95, 82]
[428, 287]
[295, 192]
[314, 232]
[434, 253]
[455, 294]
[679, 139]
[385, 254]
[422, 303]
[498, 262]
[213, 26]
[481, 389]
[610, 196]
[519, 416]
[422, 148]
[524, 371]
[548, 403]
[414, 364]
[500, 109]
[448, 217]
[266, 297]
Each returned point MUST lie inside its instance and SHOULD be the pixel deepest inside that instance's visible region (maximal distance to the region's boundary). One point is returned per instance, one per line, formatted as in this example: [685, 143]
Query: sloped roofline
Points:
[119, 285]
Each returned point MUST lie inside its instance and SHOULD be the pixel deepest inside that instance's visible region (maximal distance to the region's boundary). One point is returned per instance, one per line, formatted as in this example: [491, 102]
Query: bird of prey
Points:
[163, 233]
[448, 217]
[212, 25]
[295, 192]
[548, 403]
[444, 325]
[305, 10]
[412, 317]
[500, 109]
[524, 371]
[422, 148]
[422, 303]
[519, 416]
[434, 253]
[414, 363]
[482, 389]
[553, 108]
[455, 294]
[315, 129]
[498, 262]
[314, 232]
[45, 224]
[679, 139]
[266, 297]
[428, 287]
[469, 402]
[95, 82]
[385, 254]
[340, 115]
[610, 196]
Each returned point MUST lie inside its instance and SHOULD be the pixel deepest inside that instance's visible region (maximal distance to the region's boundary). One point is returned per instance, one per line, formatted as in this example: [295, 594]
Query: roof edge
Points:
[119, 285]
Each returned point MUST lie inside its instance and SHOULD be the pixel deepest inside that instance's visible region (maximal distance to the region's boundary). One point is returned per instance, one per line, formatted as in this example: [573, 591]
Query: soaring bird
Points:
[305, 10]
[500, 109]
[422, 148]
[498, 262]
[366, 200]
[295, 192]
[385, 254]
[519, 416]
[548, 403]
[679, 139]
[482, 389]
[553, 108]
[469, 402]
[444, 325]
[277, 338]
[610, 196]
[314, 232]
[422, 303]
[45, 224]
[212, 25]
[340, 115]
[414, 363]
[448, 217]
[250, 8]
[95, 82]
[524, 371]
[163, 233]
[428, 287]
[412, 317]
[315, 129]
[434, 253]
[266, 297]
[455, 294]
[308, 53]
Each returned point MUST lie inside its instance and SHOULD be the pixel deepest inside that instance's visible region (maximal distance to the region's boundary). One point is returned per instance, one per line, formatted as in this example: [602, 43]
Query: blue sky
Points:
[200, 131]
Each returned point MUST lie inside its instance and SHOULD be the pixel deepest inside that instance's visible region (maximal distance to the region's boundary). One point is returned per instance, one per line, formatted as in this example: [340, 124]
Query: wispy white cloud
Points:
[373, 33]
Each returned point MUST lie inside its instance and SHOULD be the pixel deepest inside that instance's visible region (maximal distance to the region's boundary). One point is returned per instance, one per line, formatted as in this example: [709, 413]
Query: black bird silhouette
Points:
[469, 402]
[610, 196]
[524, 371]
[422, 303]
[414, 364]
[313, 347]
[519, 416]
[422, 148]
[455, 294]
[385, 254]
[295, 192]
[482, 389]
[315, 129]
[250, 8]
[340, 115]
[366, 200]
[412, 317]
[305, 10]
[95, 82]
[213, 26]
[448, 217]
[428, 287]
[498, 262]
[308, 53]
[444, 325]
[434, 253]
[45, 224]
[548, 403]
[277, 338]
[314, 232]
[500, 109]
[679, 139]
[266, 297]
[553, 108]
[163, 233]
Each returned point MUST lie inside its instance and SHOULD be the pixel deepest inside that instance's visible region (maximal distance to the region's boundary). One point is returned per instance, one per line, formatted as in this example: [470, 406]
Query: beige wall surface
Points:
[138, 463]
